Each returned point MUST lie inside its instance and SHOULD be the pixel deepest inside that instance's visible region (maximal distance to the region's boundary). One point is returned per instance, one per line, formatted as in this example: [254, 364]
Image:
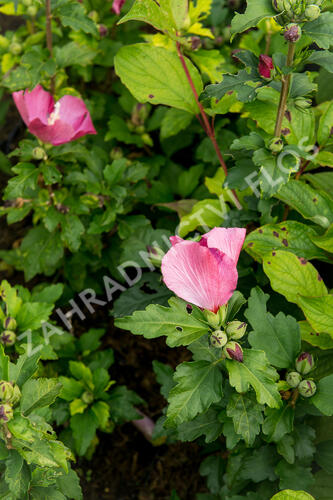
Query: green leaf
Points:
[260, 465]
[180, 327]
[323, 399]
[82, 373]
[246, 415]
[317, 207]
[122, 402]
[256, 11]
[32, 314]
[321, 181]
[324, 456]
[71, 388]
[143, 69]
[255, 371]
[293, 276]
[174, 121]
[72, 230]
[25, 367]
[84, 428]
[326, 120]
[69, 484]
[72, 14]
[206, 424]
[325, 241]
[164, 376]
[37, 393]
[199, 385]
[17, 475]
[72, 53]
[292, 236]
[278, 336]
[239, 83]
[24, 183]
[166, 16]
[320, 30]
[292, 495]
[293, 476]
[321, 340]
[319, 312]
[278, 422]
[213, 468]
[205, 214]
[323, 486]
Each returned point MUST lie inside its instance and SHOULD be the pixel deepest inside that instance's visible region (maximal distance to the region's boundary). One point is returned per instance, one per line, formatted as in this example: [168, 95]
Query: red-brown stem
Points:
[301, 170]
[206, 125]
[49, 37]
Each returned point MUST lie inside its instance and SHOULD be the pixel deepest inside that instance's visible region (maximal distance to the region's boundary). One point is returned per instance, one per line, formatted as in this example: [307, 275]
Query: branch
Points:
[49, 37]
[284, 91]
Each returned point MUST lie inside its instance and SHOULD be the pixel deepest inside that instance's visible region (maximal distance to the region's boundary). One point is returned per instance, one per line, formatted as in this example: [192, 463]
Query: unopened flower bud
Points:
[8, 337]
[218, 339]
[307, 388]
[16, 395]
[304, 363]
[293, 379]
[39, 153]
[275, 144]
[87, 397]
[9, 323]
[236, 329]
[292, 33]
[6, 413]
[93, 15]
[212, 318]
[6, 391]
[103, 31]
[116, 153]
[312, 12]
[266, 67]
[15, 48]
[233, 350]
[278, 5]
[195, 42]
[302, 103]
[156, 255]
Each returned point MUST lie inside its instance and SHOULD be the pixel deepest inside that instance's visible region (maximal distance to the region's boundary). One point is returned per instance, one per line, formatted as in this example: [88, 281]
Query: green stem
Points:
[49, 37]
[284, 91]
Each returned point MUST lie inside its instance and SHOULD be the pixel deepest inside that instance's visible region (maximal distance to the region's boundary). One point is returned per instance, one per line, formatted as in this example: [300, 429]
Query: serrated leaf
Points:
[321, 30]
[17, 475]
[290, 235]
[309, 335]
[142, 68]
[206, 424]
[180, 327]
[256, 11]
[278, 422]
[166, 16]
[255, 371]
[37, 393]
[247, 416]
[292, 495]
[72, 14]
[278, 336]
[319, 312]
[311, 204]
[323, 399]
[205, 214]
[293, 276]
[325, 241]
[84, 428]
[199, 385]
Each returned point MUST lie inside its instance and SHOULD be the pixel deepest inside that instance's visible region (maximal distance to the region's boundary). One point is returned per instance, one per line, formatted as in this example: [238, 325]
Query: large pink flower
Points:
[204, 273]
[58, 123]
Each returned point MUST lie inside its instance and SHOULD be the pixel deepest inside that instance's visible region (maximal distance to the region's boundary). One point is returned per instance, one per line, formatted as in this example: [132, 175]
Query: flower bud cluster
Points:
[10, 395]
[8, 336]
[296, 11]
[303, 364]
[233, 330]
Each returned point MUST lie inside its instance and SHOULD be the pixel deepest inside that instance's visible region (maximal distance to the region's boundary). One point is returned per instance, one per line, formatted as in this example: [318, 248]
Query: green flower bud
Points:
[16, 395]
[293, 379]
[312, 12]
[39, 154]
[147, 139]
[94, 16]
[32, 10]
[275, 144]
[233, 350]
[236, 329]
[292, 33]
[218, 339]
[6, 413]
[307, 388]
[8, 337]
[15, 48]
[156, 255]
[6, 391]
[9, 323]
[87, 397]
[304, 363]
[212, 318]
[116, 153]
[278, 5]
[302, 103]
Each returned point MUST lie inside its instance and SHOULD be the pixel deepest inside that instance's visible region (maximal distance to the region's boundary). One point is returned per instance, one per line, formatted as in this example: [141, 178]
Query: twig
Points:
[284, 91]
[206, 125]
[49, 38]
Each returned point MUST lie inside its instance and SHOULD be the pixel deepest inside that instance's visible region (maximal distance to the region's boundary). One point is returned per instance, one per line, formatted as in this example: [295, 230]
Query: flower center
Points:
[55, 115]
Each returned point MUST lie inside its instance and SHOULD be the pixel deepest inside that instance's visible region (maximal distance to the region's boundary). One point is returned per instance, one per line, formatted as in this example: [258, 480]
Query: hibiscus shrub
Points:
[197, 140]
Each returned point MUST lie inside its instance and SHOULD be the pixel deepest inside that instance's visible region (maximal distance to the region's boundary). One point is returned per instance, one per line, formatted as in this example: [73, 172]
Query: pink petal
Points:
[117, 6]
[56, 134]
[175, 239]
[20, 104]
[39, 104]
[203, 276]
[227, 240]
